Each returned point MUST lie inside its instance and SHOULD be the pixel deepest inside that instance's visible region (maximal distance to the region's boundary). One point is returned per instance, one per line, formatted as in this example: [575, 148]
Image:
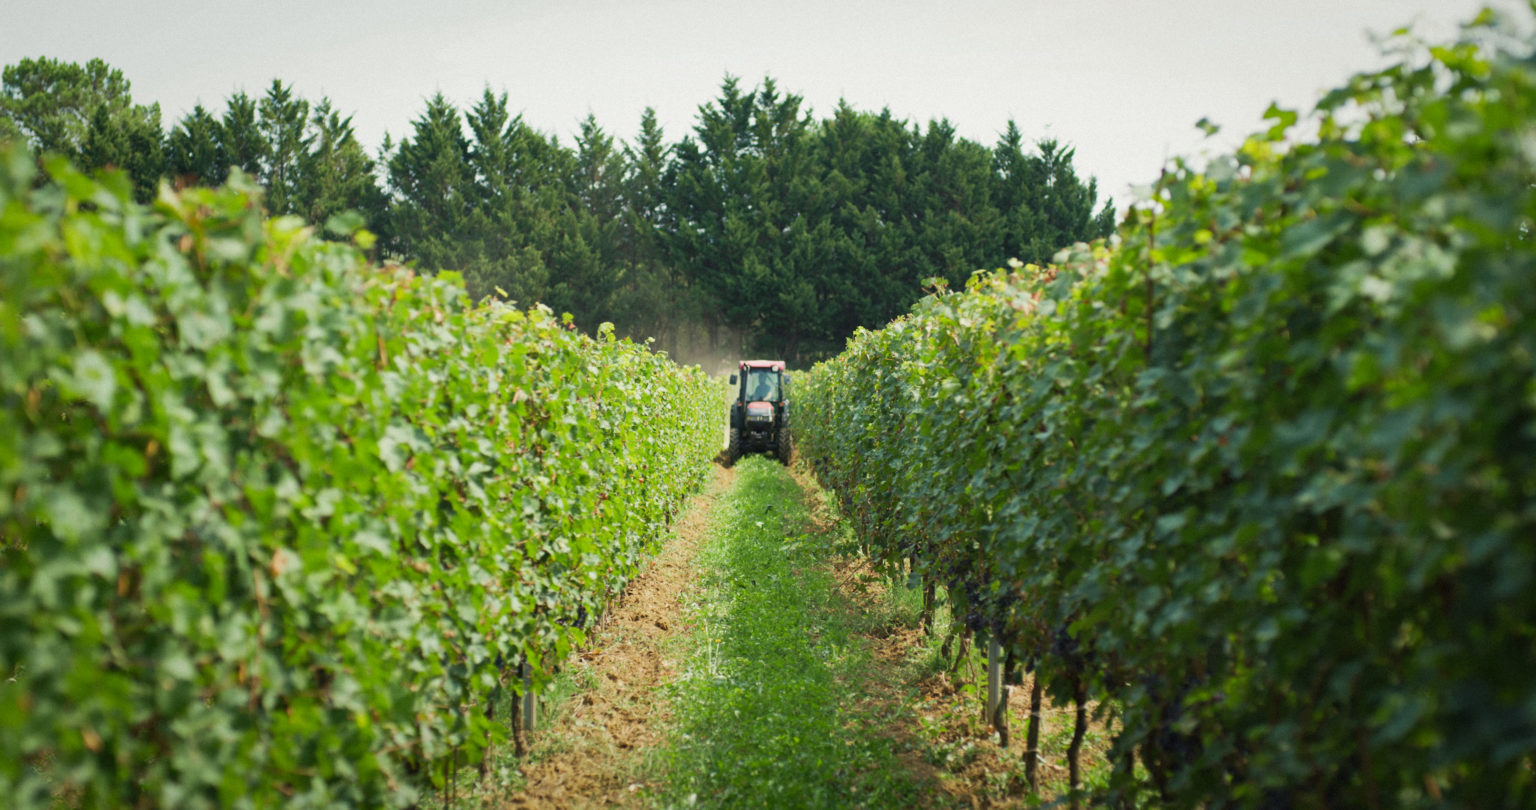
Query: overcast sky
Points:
[1123, 81]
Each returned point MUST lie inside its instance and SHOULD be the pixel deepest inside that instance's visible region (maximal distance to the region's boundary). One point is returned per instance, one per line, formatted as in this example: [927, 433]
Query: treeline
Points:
[305, 155]
[764, 230]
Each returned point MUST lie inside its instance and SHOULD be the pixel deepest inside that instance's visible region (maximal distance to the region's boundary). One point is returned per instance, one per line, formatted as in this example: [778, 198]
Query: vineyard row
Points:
[275, 525]
[1255, 476]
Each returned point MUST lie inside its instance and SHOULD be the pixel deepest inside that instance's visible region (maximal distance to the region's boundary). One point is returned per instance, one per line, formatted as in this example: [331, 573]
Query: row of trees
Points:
[305, 155]
[763, 230]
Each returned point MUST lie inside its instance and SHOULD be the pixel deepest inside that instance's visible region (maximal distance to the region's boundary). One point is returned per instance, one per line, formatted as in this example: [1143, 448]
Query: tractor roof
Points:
[776, 365]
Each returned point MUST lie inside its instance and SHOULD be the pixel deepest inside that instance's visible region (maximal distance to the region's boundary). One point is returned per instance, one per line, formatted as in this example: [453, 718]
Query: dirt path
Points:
[598, 751]
[596, 754]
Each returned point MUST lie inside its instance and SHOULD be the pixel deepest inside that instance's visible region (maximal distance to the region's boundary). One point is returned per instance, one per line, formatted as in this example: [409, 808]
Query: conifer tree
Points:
[430, 172]
[335, 174]
[653, 299]
[130, 139]
[507, 233]
[713, 237]
[864, 158]
[764, 229]
[194, 150]
[585, 270]
[283, 120]
[240, 136]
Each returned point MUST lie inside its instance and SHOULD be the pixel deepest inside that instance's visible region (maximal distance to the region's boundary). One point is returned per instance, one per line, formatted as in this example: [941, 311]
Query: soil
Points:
[950, 748]
[596, 755]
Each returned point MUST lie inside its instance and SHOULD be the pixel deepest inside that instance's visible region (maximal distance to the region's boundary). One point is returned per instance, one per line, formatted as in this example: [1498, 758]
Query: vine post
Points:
[997, 691]
[530, 705]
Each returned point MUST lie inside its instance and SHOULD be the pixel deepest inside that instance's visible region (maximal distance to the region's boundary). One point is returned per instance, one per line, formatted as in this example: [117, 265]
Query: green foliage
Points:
[272, 521]
[652, 298]
[283, 119]
[240, 137]
[796, 232]
[1259, 470]
[335, 174]
[51, 102]
[306, 157]
[194, 150]
[488, 206]
[85, 113]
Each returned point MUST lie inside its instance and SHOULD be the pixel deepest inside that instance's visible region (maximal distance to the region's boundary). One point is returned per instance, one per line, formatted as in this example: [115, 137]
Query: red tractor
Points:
[760, 414]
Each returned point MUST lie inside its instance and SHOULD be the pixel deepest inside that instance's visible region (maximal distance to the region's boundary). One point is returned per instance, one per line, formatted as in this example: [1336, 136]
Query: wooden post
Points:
[1079, 730]
[994, 679]
[1032, 741]
[928, 605]
[530, 701]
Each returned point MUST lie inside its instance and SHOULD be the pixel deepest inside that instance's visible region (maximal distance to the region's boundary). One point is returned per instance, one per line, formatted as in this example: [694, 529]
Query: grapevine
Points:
[1261, 484]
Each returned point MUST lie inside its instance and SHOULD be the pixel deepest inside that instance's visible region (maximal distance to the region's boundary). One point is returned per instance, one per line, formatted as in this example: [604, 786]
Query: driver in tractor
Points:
[760, 412]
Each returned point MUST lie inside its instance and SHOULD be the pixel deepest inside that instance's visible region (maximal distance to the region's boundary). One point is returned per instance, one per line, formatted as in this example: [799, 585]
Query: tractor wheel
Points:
[783, 449]
[733, 447]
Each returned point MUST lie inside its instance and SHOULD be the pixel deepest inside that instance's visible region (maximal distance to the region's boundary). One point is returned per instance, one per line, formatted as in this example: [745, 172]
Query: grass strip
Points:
[772, 707]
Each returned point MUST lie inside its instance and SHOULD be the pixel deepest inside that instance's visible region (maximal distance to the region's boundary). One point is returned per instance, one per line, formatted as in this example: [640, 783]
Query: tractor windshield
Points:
[762, 385]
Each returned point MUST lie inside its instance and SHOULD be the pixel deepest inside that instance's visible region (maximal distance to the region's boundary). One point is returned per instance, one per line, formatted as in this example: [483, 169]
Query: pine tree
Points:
[240, 136]
[508, 234]
[283, 122]
[1044, 206]
[490, 150]
[129, 139]
[194, 153]
[584, 269]
[458, 205]
[711, 239]
[653, 301]
[431, 174]
[863, 157]
[765, 229]
[336, 175]
[793, 237]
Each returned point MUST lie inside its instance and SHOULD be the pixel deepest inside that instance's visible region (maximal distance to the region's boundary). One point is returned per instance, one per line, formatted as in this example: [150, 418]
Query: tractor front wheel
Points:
[783, 449]
[733, 447]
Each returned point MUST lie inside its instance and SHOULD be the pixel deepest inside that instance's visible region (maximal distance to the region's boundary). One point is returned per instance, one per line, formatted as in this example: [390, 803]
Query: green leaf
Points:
[1284, 119]
[95, 379]
[70, 516]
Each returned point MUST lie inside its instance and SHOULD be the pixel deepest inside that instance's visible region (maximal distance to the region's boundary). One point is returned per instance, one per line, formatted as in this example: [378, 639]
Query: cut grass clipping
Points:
[769, 706]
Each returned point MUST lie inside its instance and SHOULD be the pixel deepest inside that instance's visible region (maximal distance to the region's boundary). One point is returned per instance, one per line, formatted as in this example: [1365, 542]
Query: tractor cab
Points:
[760, 412]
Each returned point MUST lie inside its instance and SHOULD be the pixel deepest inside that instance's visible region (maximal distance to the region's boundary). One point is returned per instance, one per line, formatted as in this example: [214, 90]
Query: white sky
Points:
[1123, 81]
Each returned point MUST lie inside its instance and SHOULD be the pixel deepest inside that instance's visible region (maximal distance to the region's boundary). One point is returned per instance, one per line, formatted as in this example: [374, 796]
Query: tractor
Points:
[760, 412]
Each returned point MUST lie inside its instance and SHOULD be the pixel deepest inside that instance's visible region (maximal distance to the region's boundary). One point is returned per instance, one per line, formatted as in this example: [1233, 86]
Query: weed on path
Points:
[774, 705]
